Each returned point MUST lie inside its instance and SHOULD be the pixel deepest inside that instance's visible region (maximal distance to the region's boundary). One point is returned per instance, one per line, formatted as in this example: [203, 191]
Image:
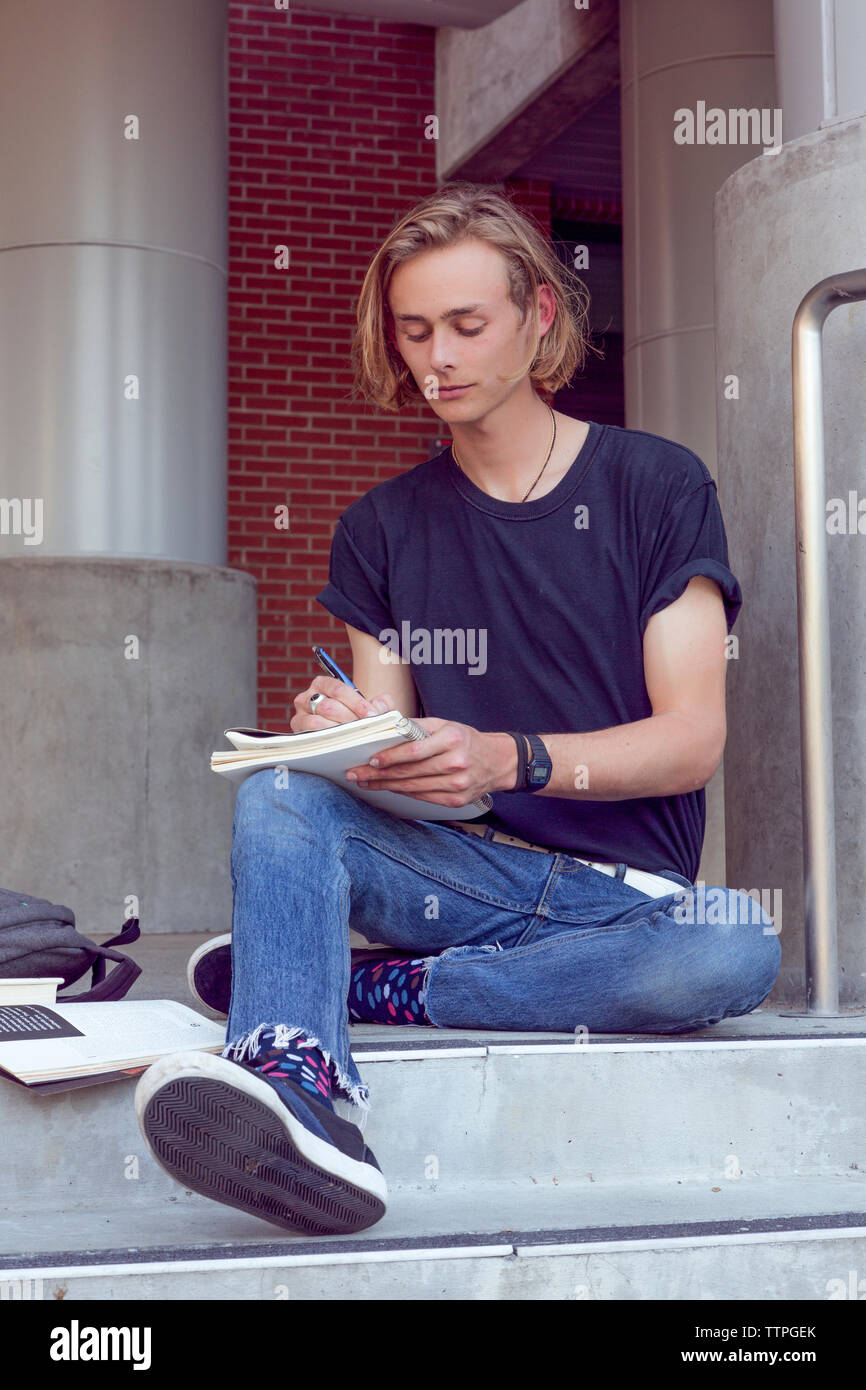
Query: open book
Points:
[329, 752]
[51, 1047]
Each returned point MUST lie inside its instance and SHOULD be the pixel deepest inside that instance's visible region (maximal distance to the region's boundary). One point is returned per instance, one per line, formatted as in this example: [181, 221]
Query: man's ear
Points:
[546, 306]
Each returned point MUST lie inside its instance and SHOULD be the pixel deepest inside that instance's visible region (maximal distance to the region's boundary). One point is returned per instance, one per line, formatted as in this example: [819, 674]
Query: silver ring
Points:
[315, 701]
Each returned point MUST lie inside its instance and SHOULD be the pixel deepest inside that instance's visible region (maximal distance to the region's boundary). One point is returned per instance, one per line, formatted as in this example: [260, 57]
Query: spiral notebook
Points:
[330, 752]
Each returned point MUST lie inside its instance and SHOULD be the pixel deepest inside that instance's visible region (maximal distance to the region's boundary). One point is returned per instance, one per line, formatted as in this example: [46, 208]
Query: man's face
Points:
[474, 348]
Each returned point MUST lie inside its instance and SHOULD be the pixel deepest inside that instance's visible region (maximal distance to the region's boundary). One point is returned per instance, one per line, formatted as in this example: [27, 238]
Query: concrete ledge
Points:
[117, 681]
[496, 108]
[799, 1258]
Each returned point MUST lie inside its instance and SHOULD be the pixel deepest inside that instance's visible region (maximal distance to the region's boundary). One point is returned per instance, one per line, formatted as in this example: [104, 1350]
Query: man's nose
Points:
[441, 353]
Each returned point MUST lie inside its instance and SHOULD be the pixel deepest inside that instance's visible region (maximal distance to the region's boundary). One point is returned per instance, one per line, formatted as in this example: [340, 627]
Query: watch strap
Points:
[520, 740]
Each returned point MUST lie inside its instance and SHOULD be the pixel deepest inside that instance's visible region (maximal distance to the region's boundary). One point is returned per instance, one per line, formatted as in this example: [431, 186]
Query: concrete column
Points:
[820, 69]
[127, 646]
[113, 276]
[782, 224]
[677, 54]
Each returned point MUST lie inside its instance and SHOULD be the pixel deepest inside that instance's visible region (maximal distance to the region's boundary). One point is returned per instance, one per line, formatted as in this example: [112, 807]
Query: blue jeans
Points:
[511, 939]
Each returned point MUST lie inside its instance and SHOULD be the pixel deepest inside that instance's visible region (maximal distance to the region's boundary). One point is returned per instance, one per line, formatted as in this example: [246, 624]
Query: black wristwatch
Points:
[535, 772]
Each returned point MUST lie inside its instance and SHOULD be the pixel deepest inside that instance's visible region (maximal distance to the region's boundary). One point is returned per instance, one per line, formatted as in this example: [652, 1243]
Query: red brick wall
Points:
[326, 148]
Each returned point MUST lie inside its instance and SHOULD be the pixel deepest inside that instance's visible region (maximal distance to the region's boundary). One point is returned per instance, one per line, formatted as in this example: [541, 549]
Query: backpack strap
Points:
[120, 980]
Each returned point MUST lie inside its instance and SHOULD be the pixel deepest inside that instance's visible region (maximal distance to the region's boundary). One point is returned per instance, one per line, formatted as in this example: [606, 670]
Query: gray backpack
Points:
[38, 938]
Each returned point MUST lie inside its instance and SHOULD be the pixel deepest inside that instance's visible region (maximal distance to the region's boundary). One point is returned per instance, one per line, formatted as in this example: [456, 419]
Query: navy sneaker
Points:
[209, 970]
[209, 974]
[266, 1147]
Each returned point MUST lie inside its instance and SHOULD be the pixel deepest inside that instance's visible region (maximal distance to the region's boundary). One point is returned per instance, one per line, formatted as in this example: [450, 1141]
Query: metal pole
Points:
[813, 614]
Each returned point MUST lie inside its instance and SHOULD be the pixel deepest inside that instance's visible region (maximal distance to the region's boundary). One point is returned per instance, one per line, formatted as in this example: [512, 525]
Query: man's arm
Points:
[375, 672]
[678, 748]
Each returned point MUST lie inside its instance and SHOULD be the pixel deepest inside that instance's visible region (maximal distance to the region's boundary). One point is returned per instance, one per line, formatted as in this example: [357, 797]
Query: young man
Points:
[557, 595]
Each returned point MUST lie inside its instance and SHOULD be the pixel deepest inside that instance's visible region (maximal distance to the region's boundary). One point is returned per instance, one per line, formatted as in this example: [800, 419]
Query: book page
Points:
[44, 1041]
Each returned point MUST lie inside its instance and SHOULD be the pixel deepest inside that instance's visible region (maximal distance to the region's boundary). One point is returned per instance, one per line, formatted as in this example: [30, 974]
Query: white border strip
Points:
[711, 1045]
[346, 1257]
[446, 1252]
[419, 1052]
[588, 1045]
[618, 1247]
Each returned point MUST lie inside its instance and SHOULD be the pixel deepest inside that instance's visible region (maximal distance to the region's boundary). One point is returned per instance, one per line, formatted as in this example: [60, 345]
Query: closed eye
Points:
[466, 333]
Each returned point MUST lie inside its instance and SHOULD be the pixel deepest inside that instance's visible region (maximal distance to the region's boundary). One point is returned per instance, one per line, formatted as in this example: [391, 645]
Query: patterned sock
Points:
[300, 1061]
[388, 991]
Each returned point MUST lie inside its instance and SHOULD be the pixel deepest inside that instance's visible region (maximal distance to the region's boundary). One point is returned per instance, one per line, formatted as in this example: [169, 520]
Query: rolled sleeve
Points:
[357, 588]
[691, 540]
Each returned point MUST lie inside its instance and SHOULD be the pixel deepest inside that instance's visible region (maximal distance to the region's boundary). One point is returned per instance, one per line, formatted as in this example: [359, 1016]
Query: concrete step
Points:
[474, 1110]
[612, 1168]
[522, 1251]
[722, 1164]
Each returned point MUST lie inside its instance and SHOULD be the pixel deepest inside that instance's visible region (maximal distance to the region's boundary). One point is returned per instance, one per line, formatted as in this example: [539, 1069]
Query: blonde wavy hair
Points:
[456, 212]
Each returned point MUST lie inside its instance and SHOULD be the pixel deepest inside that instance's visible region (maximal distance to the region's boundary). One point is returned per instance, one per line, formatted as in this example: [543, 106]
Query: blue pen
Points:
[330, 667]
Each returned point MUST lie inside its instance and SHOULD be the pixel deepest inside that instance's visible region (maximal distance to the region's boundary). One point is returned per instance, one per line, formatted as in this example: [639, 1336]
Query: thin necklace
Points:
[543, 466]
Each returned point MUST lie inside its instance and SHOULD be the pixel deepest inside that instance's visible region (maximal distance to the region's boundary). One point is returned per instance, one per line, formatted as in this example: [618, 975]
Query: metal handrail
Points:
[813, 624]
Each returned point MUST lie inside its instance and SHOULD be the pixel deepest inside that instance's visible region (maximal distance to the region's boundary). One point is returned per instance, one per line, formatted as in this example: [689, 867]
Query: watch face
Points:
[539, 768]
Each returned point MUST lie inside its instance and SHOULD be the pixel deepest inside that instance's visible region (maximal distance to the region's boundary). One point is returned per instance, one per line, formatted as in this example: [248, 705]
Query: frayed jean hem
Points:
[352, 1097]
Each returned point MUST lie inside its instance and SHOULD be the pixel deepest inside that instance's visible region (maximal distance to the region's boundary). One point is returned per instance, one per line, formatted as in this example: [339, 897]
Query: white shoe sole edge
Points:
[207, 1065]
[204, 950]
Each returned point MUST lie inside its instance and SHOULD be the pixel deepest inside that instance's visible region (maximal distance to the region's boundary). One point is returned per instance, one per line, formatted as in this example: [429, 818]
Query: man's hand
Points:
[341, 705]
[456, 765]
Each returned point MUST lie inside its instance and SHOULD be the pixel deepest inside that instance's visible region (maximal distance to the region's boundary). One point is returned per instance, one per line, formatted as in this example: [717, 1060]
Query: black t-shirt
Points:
[531, 615]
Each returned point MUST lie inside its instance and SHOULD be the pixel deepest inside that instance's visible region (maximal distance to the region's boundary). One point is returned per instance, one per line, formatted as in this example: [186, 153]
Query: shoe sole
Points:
[215, 943]
[223, 1132]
